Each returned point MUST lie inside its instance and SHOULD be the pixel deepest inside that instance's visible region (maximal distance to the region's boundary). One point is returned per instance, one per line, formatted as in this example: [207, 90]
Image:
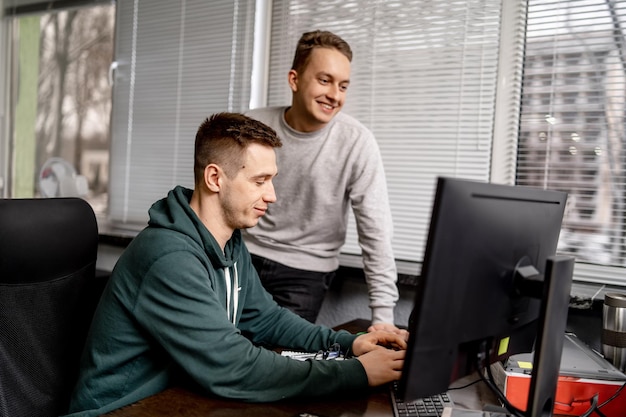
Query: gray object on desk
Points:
[578, 360]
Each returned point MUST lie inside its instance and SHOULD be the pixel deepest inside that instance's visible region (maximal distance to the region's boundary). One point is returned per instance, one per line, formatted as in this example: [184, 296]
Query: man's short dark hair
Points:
[317, 39]
[222, 139]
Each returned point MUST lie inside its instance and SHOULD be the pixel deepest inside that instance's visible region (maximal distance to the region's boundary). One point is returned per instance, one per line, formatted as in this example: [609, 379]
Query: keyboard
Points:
[431, 406]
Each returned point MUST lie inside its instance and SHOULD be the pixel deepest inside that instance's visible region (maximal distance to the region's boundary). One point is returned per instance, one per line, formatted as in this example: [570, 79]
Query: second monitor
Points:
[484, 288]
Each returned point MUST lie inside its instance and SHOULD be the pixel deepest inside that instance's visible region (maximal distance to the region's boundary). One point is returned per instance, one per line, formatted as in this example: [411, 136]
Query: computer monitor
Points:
[490, 287]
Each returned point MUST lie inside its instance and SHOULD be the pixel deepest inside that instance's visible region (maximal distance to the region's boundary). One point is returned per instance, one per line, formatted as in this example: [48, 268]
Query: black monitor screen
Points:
[480, 235]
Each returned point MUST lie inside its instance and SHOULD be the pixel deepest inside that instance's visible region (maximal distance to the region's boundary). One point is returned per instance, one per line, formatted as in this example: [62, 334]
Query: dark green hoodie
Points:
[171, 308]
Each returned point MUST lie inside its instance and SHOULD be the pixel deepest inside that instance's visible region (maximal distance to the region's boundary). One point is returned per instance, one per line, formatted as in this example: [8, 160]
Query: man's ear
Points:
[292, 79]
[213, 177]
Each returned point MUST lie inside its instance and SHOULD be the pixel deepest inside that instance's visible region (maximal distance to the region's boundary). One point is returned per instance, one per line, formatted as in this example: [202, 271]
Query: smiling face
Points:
[319, 91]
[246, 196]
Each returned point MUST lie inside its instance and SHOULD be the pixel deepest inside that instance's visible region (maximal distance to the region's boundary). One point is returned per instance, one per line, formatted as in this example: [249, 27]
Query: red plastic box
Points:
[584, 374]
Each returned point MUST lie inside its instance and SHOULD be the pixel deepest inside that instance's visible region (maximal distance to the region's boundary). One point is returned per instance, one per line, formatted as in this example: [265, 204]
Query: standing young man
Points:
[185, 305]
[329, 162]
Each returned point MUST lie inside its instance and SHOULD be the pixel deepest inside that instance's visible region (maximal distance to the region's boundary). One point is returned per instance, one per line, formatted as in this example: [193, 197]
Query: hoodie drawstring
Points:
[232, 316]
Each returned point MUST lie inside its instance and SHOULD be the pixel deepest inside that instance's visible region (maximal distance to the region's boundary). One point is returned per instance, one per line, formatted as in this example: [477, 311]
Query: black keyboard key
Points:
[424, 407]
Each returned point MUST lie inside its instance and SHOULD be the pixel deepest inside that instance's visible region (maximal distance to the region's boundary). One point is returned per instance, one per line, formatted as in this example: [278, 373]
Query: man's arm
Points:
[185, 316]
[372, 212]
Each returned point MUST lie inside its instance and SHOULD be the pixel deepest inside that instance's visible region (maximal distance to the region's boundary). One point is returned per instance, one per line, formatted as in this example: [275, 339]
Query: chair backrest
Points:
[48, 291]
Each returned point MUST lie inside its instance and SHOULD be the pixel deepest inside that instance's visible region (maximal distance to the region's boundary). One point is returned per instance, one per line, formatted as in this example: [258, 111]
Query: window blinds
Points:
[572, 126]
[424, 78]
[177, 63]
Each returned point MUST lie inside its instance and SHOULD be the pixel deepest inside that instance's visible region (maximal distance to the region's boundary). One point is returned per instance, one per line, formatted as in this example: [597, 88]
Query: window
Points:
[583, 150]
[424, 80]
[439, 83]
[177, 62]
[60, 102]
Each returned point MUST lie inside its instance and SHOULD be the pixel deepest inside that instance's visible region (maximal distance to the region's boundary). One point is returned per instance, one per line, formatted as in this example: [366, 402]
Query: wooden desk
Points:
[375, 402]
[177, 402]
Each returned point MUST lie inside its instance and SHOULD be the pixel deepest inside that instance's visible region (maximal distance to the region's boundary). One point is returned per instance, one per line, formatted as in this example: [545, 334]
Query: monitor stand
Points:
[557, 283]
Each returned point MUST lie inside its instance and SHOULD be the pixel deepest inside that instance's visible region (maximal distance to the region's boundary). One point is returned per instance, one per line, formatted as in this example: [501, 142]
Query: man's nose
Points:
[270, 193]
[333, 92]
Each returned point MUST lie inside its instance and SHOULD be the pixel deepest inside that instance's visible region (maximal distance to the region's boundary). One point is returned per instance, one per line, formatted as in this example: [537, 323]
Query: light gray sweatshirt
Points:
[320, 175]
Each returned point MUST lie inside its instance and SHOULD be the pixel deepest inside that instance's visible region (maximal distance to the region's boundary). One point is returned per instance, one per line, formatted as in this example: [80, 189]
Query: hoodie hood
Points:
[174, 213]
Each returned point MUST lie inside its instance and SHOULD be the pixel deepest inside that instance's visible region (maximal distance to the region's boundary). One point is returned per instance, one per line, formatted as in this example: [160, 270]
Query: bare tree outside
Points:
[74, 95]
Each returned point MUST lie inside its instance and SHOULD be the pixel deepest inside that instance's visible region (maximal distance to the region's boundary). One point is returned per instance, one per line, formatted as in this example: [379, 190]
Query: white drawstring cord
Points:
[230, 293]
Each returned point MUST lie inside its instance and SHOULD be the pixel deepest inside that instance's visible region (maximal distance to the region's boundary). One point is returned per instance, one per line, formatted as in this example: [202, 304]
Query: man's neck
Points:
[210, 219]
[299, 123]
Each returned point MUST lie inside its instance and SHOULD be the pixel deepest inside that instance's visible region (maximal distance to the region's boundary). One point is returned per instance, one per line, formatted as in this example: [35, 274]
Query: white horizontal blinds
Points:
[572, 125]
[178, 62]
[423, 80]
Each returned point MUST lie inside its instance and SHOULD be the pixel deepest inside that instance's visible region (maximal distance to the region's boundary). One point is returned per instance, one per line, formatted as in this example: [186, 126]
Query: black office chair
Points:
[48, 292]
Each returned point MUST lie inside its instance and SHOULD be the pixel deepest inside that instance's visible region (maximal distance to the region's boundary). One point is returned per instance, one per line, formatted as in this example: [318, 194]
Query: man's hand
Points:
[378, 339]
[382, 365]
[389, 328]
[382, 355]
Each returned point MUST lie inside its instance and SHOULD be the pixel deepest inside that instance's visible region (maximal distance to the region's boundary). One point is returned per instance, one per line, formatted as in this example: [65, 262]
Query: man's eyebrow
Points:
[263, 175]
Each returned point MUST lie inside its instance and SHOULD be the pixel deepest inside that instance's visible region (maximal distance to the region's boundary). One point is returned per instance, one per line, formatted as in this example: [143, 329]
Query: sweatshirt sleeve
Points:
[372, 212]
[183, 312]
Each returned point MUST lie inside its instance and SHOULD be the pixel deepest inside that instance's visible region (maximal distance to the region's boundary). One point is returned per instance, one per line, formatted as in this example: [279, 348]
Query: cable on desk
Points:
[592, 407]
[614, 396]
[465, 386]
[596, 408]
[490, 381]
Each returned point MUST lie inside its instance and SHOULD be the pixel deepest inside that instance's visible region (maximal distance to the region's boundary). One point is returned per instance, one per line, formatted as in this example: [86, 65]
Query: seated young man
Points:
[184, 300]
